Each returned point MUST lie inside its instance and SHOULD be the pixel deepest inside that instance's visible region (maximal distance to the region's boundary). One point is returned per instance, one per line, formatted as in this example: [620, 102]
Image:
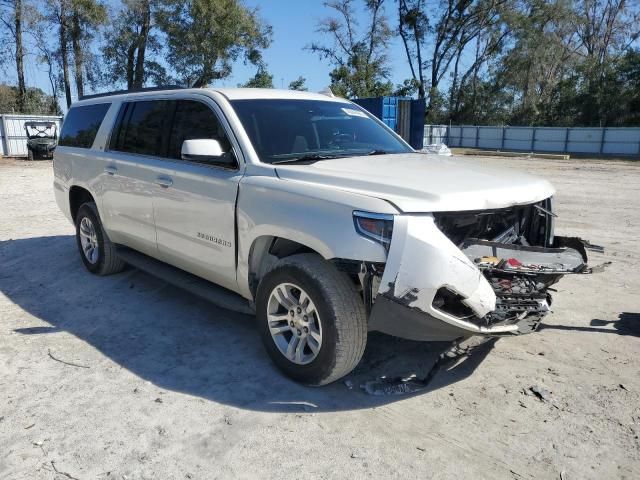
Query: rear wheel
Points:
[30, 154]
[96, 250]
[311, 319]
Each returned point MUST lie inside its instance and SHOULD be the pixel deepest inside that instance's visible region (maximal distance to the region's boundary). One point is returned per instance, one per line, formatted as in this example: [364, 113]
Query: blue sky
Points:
[294, 25]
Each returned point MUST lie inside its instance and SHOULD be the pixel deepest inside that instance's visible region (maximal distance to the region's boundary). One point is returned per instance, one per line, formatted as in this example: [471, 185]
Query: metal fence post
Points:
[604, 132]
[3, 135]
[533, 139]
[566, 140]
[502, 139]
[477, 135]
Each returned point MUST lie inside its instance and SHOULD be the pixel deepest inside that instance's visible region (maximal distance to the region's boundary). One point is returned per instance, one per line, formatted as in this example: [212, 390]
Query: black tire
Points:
[30, 154]
[107, 261]
[341, 313]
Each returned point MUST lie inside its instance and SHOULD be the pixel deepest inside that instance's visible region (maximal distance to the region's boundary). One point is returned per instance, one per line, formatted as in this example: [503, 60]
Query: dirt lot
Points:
[161, 385]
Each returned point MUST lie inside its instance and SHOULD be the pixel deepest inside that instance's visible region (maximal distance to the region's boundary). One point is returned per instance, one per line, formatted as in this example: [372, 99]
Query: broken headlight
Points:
[376, 226]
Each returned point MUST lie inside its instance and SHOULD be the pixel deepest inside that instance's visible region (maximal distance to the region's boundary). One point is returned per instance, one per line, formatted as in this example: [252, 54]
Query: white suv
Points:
[320, 218]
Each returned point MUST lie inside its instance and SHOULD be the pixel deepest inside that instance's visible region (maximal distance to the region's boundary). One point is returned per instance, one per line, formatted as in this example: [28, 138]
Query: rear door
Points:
[195, 210]
[134, 165]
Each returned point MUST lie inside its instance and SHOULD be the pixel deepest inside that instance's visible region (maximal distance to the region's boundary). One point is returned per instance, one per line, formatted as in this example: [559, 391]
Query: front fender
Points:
[315, 216]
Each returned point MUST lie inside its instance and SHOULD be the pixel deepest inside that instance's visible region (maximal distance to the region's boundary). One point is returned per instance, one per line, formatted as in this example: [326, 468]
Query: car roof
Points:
[229, 93]
[272, 93]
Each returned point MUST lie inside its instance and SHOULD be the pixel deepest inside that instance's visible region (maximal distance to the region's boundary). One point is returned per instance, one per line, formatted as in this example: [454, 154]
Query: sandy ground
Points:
[165, 386]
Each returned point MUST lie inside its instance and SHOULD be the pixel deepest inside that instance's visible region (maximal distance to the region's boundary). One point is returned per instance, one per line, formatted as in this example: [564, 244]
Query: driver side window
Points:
[195, 120]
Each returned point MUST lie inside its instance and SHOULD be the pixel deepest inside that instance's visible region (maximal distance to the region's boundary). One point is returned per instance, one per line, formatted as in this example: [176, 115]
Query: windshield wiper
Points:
[377, 152]
[312, 157]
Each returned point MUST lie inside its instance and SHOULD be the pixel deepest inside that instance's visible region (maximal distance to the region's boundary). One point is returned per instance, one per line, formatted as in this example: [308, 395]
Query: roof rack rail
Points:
[131, 90]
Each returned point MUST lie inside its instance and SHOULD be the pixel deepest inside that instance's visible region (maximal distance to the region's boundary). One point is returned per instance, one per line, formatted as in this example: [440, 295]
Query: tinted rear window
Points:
[141, 128]
[81, 125]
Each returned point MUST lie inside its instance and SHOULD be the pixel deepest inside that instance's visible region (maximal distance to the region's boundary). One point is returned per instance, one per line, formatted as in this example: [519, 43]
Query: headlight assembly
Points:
[376, 226]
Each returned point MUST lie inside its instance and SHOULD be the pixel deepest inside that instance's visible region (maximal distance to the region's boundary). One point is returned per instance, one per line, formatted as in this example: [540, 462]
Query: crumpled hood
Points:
[417, 182]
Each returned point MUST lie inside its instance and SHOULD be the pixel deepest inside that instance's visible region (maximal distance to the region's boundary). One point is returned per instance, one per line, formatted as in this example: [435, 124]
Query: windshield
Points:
[291, 130]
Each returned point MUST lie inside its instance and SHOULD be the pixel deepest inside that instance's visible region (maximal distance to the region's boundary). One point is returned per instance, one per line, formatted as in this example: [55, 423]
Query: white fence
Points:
[13, 138]
[606, 141]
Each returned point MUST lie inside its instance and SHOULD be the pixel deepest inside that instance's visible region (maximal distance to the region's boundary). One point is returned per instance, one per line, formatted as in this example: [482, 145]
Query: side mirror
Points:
[202, 150]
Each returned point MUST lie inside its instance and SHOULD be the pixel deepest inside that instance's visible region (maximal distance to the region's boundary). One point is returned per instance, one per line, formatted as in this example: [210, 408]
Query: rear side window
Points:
[81, 125]
[139, 130]
[195, 120]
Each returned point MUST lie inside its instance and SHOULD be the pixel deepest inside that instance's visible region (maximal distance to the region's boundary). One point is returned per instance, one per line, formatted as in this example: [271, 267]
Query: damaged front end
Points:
[457, 274]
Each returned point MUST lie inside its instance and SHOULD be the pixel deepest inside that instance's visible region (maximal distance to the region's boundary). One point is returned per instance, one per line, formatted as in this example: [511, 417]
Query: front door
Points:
[194, 209]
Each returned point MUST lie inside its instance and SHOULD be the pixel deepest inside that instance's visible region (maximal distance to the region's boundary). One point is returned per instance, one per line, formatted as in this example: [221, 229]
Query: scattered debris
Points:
[40, 444]
[393, 386]
[349, 384]
[158, 400]
[413, 384]
[437, 149]
[66, 363]
[227, 420]
[30, 426]
[542, 393]
[623, 387]
[60, 472]
[421, 449]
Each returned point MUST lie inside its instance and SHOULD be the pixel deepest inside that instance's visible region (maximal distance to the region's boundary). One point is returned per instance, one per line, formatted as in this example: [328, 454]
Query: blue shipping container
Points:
[386, 109]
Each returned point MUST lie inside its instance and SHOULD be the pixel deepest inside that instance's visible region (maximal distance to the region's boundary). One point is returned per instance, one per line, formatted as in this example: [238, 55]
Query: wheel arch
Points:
[266, 250]
[77, 196]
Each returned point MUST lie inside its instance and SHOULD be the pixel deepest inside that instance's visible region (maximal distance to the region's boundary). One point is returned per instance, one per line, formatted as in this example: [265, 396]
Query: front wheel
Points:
[311, 319]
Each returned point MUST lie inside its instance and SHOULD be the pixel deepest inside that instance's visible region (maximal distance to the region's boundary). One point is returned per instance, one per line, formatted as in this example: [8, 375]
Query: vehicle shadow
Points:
[178, 342]
[627, 324]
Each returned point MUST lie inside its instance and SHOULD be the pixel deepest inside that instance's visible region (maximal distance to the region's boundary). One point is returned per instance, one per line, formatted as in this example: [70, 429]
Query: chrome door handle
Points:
[111, 170]
[164, 182]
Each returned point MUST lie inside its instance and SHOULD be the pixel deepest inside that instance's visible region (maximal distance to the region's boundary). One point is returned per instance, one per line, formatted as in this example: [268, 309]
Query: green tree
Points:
[75, 24]
[447, 34]
[56, 21]
[606, 30]
[36, 102]
[131, 46]
[46, 53]
[262, 79]
[205, 37]
[299, 84]
[408, 88]
[11, 16]
[85, 16]
[359, 58]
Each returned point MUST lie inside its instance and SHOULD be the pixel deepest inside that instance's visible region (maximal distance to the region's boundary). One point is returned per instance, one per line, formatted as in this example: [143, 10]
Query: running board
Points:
[200, 287]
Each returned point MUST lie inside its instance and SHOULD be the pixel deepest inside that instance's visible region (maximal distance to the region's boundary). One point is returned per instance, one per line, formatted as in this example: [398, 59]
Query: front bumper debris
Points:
[433, 290]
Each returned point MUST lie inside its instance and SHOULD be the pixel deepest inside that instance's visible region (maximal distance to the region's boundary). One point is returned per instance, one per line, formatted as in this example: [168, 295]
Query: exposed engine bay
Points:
[516, 251]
